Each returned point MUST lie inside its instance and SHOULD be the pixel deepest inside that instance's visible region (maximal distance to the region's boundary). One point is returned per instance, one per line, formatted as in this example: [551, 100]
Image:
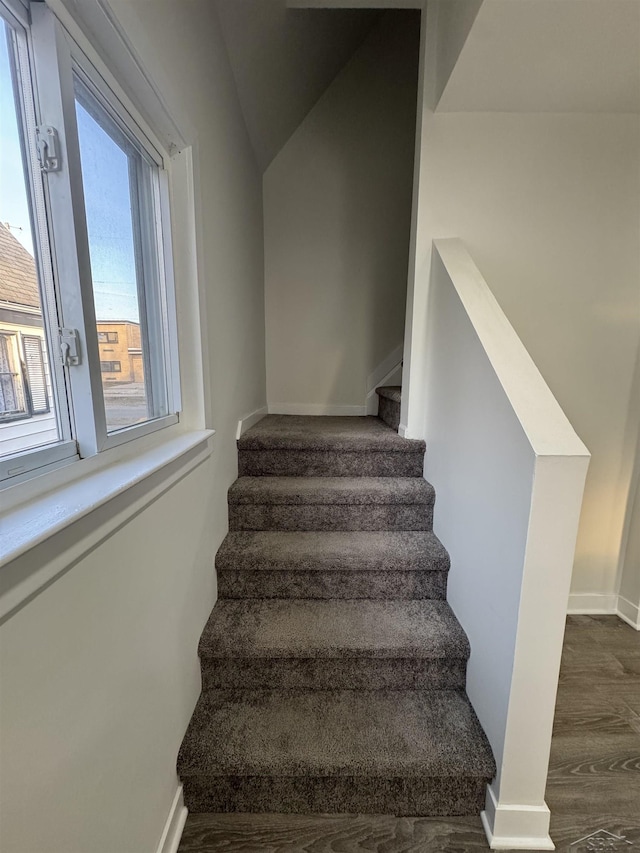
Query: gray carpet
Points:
[389, 399]
[333, 668]
[287, 445]
[313, 564]
[298, 432]
[383, 550]
[333, 629]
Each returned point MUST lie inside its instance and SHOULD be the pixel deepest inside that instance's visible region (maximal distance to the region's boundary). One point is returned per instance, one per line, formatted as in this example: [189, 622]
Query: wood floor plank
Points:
[268, 833]
[566, 830]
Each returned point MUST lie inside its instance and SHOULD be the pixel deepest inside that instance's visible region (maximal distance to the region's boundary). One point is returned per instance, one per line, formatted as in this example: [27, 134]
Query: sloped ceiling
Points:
[283, 59]
[549, 56]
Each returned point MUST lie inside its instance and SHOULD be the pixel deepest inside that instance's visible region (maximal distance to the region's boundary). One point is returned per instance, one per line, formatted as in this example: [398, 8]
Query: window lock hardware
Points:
[70, 347]
[48, 148]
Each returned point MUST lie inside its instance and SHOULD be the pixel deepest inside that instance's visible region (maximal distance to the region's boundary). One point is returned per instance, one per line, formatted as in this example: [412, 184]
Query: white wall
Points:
[283, 59]
[548, 56]
[549, 207]
[337, 202]
[454, 21]
[100, 670]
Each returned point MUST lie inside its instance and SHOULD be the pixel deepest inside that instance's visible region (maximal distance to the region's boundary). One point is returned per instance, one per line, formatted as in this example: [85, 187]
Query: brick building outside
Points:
[120, 349]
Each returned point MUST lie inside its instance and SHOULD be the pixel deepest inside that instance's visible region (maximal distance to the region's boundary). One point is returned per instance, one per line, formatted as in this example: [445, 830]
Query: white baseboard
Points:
[248, 421]
[629, 612]
[314, 409]
[172, 832]
[592, 603]
[402, 431]
[516, 827]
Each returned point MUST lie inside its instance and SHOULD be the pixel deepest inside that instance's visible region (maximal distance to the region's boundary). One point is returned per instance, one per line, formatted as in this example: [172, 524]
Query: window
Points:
[83, 256]
[23, 380]
[12, 396]
[108, 337]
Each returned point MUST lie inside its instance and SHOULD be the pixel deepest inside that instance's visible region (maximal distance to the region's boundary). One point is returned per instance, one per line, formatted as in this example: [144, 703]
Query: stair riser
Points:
[333, 674]
[328, 585]
[337, 794]
[301, 463]
[389, 412]
[330, 517]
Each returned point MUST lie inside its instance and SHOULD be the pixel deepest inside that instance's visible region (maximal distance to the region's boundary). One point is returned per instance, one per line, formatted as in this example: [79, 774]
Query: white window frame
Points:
[85, 432]
[14, 467]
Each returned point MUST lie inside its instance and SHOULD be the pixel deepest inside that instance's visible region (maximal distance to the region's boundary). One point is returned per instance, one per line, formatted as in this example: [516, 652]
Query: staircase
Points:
[333, 670]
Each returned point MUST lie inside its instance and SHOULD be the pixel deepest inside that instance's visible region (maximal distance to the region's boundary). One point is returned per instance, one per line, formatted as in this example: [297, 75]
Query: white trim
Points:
[15, 12]
[314, 409]
[67, 221]
[543, 421]
[372, 400]
[130, 433]
[174, 826]
[389, 365]
[96, 504]
[516, 827]
[93, 24]
[414, 306]
[248, 421]
[26, 463]
[628, 612]
[592, 603]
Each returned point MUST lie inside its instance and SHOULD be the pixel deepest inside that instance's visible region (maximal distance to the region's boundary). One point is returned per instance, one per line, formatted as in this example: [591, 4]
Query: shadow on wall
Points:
[337, 226]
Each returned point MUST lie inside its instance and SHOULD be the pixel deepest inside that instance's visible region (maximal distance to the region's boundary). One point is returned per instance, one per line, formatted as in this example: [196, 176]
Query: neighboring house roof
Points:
[18, 277]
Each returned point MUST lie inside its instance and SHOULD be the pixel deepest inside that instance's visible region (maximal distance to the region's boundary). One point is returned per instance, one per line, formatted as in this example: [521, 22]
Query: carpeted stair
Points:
[333, 669]
[389, 398]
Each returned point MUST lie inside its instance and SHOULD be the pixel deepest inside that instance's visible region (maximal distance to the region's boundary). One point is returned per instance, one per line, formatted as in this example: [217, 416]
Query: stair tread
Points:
[380, 734]
[331, 490]
[390, 392]
[298, 432]
[333, 628]
[386, 550]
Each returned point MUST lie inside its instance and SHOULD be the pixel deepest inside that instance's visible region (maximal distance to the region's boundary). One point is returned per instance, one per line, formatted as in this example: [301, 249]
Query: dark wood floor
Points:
[593, 783]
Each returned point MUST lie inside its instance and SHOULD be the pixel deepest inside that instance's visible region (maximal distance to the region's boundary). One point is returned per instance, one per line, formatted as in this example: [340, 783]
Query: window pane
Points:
[118, 191]
[27, 412]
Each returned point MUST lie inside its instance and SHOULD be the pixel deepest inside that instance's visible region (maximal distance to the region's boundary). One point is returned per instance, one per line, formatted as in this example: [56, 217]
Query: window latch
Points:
[70, 347]
[48, 148]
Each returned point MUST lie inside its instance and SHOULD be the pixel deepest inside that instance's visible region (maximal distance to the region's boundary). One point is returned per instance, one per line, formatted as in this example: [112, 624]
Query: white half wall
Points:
[509, 474]
[628, 603]
[337, 207]
[549, 207]
[100, 670]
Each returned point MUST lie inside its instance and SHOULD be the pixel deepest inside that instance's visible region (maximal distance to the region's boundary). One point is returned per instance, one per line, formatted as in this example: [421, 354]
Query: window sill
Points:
[110, 494]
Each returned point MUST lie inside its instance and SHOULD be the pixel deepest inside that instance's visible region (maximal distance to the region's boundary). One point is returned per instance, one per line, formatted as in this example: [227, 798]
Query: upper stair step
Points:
[292, 445]
[332, 564]
[389, 399]
[403, 752]
[333, 645]
[331, 503]
[390, 392]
